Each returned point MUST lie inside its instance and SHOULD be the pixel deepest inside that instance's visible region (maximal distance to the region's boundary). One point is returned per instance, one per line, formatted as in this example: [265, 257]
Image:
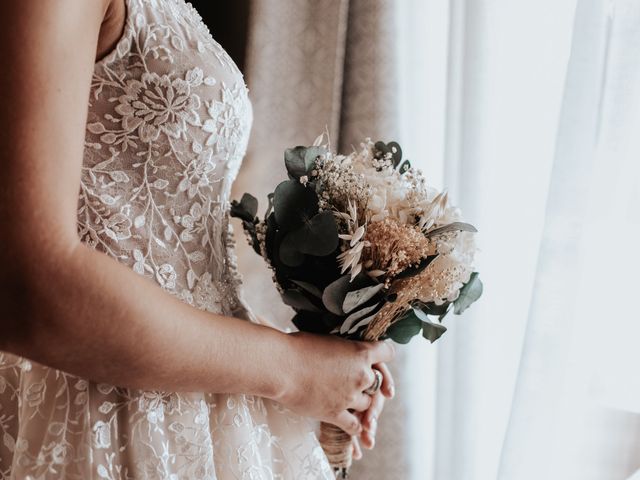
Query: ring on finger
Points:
[377, 383]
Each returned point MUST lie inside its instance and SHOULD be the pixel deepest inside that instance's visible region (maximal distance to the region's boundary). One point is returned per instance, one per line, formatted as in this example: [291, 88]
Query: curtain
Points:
[528, 113]
[312, 67]
[578, 372]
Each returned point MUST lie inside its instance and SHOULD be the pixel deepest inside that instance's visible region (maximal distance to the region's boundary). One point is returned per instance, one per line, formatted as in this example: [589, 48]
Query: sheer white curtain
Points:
[529, 112]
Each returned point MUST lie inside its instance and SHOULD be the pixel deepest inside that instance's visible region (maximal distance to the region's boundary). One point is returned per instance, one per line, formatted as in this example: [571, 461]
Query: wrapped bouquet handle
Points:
[337, 446]
[336, 443]
[362, 248]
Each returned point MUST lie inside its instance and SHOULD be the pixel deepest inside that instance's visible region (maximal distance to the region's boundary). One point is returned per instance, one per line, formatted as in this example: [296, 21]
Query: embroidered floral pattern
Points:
[158, 103]
[168, 124]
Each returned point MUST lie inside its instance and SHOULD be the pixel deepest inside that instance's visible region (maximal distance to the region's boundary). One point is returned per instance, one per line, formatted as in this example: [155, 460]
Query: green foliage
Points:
[246, 208]
[289, 253]
[317, 236]
[304, 230]
[411, 323]
[308, 287]
[315, 322]
[469, 293]
[432, 331]
[335, 293]
[393, 148]
[298, 301]
[404, 166]
[405, 328]
[294, 204]
[301, 161]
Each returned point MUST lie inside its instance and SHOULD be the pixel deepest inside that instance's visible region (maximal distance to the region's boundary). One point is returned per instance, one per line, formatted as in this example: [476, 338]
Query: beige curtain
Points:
[315, 66]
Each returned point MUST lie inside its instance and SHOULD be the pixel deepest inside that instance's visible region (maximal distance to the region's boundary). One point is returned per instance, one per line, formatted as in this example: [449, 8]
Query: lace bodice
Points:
[168, 124]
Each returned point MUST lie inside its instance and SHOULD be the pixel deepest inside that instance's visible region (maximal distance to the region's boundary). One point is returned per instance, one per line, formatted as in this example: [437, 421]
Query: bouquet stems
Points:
[337, 445]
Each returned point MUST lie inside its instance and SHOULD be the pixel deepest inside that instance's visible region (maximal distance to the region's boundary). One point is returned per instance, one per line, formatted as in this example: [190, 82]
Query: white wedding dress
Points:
[168, 125]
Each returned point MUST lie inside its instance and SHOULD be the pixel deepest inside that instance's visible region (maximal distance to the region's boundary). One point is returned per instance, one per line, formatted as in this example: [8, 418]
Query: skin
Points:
[70, 307]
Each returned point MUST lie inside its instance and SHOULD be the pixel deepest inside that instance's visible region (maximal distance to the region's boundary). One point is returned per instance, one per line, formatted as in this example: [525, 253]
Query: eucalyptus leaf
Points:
[245, 209]
[405, 328]
[432, 331]
[313, 322]
[289, 253]
[404, 167]
[317, 236]
[294, 204]
[396, 152]
[469, 293]
[382, 147]
[452, 227]
[354, 317]
[309, 287]
[334, 294]
[298, 301]
[358, 297]
[301, 160]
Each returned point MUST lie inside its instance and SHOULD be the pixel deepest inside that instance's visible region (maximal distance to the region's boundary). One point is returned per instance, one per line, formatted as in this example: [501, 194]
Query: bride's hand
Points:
[326, 377]
[369, 419]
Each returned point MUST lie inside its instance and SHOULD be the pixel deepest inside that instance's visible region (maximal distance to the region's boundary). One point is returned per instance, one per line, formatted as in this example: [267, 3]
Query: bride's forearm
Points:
[84, 313]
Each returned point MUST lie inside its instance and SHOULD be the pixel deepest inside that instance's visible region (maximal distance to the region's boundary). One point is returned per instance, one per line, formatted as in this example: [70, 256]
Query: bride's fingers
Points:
[356, 451]
[388, 387]
[362, 403]
[348, 422]
[370, 421]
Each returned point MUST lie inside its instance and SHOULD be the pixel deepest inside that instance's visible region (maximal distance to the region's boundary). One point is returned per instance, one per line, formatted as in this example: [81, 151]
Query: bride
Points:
[126, 350]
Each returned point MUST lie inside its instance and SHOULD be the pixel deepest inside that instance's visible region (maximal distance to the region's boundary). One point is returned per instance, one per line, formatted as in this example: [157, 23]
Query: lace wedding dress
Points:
[168, 124]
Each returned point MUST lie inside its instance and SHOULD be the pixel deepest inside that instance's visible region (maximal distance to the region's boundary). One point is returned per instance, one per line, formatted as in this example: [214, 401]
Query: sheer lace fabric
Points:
[169, 120]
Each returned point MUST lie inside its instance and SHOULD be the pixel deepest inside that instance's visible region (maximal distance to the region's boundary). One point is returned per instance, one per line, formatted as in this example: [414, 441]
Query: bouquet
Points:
[361, 247]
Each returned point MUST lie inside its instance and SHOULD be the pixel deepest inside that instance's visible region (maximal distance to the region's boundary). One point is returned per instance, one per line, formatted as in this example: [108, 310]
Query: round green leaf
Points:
[317, 236]
[405, 328]
[294, 204]
[301, 160]
[246, 208]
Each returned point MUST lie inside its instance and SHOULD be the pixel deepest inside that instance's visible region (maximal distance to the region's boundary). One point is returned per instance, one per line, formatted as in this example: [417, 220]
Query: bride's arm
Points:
[70, 307]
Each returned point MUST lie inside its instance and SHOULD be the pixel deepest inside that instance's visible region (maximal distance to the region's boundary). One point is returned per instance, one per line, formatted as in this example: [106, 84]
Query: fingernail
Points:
[392, 391]
[374, 423]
